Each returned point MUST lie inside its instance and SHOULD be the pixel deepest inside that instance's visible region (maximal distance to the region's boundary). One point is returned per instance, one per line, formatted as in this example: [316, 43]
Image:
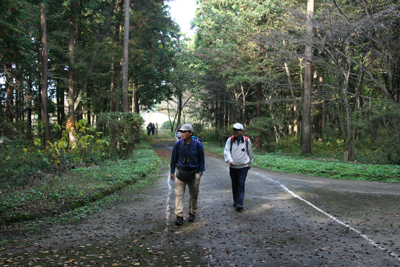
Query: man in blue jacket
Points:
[188, 159]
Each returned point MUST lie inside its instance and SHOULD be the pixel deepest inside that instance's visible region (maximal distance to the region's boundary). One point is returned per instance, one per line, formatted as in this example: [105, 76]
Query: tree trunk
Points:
[60, 102]
[45, 120]
[306, 128]
[70, 126]
[89, 104]
[318, 123]
[259, 88]
[296, 105]
[136, 96]
[10, 93]
[29, 97]
[178, 123]
[125, 103]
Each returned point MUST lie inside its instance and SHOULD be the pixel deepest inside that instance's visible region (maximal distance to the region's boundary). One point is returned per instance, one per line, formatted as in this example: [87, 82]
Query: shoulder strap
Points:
[246, 140]
[195, 141]
[179, 142]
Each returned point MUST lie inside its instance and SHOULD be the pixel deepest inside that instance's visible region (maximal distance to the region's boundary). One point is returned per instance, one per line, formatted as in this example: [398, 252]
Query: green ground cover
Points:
[325, 162]
[76, 193]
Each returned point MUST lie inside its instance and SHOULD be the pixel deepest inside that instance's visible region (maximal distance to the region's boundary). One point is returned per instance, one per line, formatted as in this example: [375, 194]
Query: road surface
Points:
[288, 220]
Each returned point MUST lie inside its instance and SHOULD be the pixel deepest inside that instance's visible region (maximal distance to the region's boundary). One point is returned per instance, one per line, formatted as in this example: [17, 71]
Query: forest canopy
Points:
[307, 69]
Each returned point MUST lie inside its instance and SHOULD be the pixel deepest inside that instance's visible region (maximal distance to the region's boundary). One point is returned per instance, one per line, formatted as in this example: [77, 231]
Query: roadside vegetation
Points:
[72, 195]
[64, 183]
[327, 160]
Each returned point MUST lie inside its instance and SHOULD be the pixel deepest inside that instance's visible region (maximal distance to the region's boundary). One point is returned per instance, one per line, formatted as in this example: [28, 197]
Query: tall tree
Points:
[125, 104]
[71, 82]
[44, 76]
[306, 120]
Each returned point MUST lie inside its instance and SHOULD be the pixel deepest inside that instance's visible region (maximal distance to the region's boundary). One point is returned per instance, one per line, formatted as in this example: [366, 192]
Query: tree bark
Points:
[296, 105]
[45, 120]
[89, 104]
[125, 103]
[60, 102]
[306, 120]
[10, 93]
[70, 126]
[178, 123]
[136, 96]
[259, 88]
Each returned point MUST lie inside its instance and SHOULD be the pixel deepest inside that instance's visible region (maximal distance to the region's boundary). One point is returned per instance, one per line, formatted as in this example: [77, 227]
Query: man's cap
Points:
[186, 127]
[238, 126]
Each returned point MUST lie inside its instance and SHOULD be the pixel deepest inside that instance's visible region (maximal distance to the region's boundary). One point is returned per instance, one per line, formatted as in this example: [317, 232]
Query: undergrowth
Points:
[326, 161]
[75, 193]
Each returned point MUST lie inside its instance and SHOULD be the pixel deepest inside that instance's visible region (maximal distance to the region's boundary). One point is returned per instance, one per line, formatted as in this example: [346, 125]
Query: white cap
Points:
[186, 127]
[238, 126]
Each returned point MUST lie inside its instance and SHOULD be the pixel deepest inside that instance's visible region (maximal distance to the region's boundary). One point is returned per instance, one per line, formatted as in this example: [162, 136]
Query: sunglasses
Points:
[235, 130]
[184, 131]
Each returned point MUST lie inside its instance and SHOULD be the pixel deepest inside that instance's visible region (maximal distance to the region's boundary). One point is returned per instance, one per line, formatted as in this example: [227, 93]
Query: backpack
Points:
[246, 140]
[196, 142]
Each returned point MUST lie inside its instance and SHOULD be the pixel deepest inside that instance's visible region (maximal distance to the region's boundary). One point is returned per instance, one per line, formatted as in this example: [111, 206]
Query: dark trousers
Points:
[238, 177]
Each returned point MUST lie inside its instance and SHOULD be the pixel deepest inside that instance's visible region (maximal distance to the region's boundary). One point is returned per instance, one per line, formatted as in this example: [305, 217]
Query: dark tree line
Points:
[85, 51]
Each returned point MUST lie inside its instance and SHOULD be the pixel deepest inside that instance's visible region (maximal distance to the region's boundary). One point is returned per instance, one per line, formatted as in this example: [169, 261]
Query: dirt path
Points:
[288, 220]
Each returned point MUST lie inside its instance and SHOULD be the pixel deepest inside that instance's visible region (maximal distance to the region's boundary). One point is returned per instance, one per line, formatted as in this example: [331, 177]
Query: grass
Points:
[326, 161]
[73, 195]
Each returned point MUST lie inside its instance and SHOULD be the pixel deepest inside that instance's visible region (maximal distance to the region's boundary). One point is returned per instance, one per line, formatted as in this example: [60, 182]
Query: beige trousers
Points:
[180, 191]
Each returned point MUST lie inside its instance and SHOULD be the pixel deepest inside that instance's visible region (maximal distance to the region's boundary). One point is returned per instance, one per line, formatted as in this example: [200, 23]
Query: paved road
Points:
[293, 220]
[288, 220]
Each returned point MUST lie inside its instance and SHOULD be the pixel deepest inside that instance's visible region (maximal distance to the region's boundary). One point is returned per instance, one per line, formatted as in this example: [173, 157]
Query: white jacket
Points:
[239, 156]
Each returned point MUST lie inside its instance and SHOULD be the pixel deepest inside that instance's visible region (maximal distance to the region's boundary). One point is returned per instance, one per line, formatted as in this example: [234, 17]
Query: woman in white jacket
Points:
[238, 153]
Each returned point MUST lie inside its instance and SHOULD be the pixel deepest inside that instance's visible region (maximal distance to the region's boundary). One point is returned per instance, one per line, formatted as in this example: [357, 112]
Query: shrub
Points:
[23, 162]
[383, 124]
[166, 125]
[122, 129]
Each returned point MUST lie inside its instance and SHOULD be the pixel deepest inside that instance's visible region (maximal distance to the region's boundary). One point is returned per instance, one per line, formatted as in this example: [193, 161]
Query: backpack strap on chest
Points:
[246, 140]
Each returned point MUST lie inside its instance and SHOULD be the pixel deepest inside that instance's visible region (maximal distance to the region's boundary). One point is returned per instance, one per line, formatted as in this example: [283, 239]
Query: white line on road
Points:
[372, 242]
[168, 198]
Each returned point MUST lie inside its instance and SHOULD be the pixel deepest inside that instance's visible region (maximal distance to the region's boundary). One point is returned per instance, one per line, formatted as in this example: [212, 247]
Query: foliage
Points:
[29, 162]
[383, 124]
[197, 127]
[122, 129]
[326, 161]
[207, 135]
[88, 148]
[24, 163]
[166, 125]
[63, 193]
[275, 162]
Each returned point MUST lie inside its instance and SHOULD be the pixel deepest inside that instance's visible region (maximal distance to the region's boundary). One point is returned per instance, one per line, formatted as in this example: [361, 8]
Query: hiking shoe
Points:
[234, 204]
[192, 217]
[239, 208]
[179, 220]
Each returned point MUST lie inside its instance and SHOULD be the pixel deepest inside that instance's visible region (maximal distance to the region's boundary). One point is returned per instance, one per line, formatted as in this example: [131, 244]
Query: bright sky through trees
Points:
[182, 12]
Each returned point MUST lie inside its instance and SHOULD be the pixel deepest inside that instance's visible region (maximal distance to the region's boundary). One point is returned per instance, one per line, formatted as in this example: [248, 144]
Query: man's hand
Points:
[232, 163]
[249, 167]
[172, 177]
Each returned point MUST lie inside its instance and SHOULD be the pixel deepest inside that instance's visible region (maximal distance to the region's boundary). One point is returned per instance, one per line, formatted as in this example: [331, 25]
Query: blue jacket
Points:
[191, 150]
